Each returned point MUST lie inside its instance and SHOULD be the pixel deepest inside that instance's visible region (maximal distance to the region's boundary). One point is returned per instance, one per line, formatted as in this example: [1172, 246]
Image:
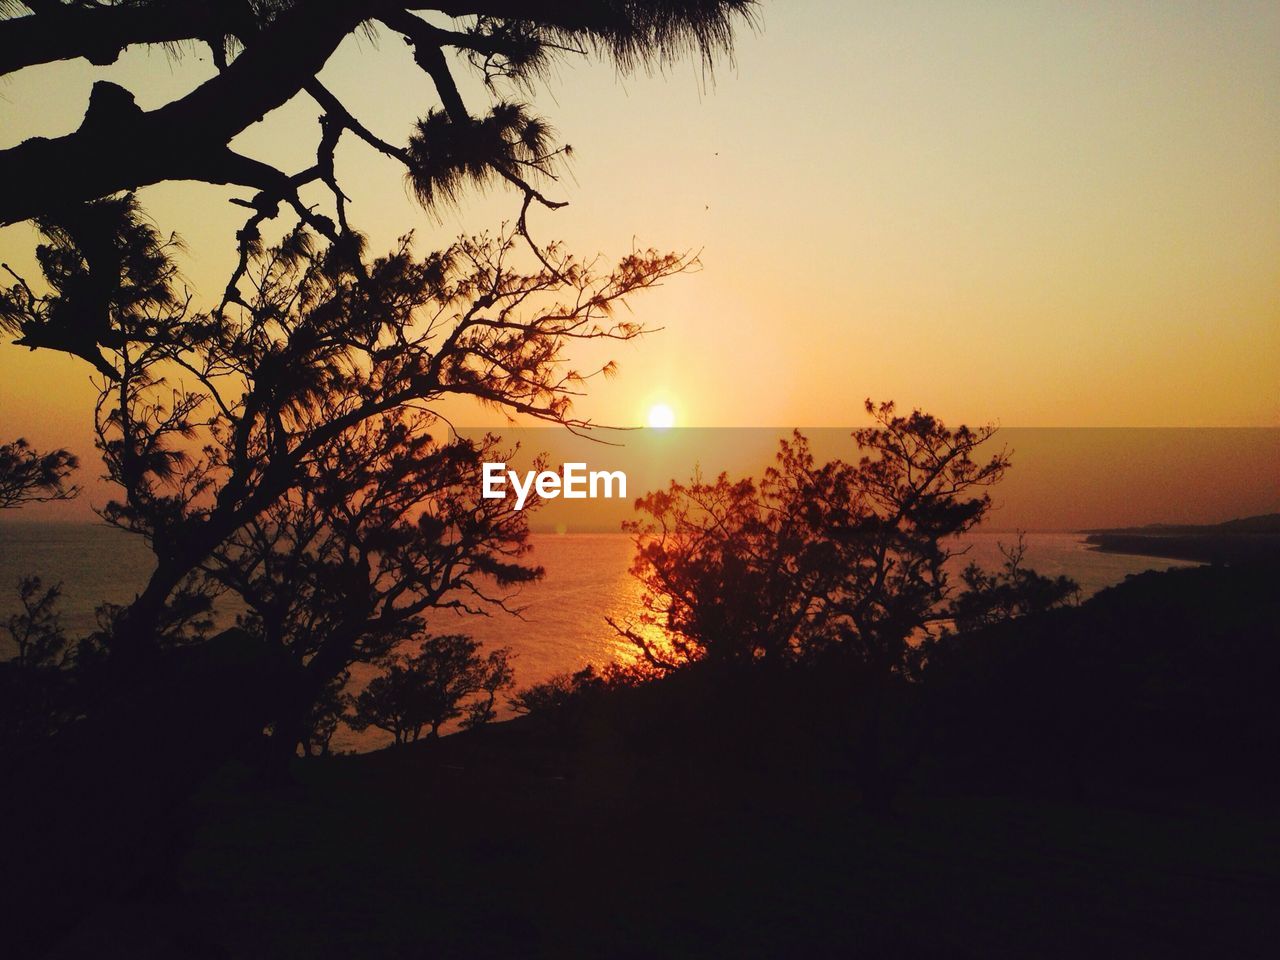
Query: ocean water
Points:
[561, 625]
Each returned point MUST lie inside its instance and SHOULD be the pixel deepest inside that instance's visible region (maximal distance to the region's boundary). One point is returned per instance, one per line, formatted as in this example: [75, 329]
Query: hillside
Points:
[1094, 781]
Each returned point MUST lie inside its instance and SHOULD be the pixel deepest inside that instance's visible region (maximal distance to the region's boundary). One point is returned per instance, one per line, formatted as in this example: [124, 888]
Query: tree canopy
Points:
[28, 475]
[841, 559]
[280, 440]
[269, 51]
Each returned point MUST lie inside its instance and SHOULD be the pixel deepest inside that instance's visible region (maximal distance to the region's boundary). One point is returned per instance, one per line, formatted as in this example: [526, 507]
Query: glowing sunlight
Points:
[661, 417]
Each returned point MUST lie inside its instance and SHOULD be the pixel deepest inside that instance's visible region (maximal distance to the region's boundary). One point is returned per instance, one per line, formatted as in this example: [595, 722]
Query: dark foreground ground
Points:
[412, 856]
[1097, 784]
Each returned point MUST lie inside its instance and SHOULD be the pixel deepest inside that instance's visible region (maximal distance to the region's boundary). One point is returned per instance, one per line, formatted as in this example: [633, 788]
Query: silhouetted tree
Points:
[271, 51]
[316, 345]
[35, 696]
[391, 703]
[216, 420]
[431, 688]
[837, 557]
[558, 691]
[497, 676]
[326, 715]
[306, 344]
[844, 564]
[36, 632]
[387, 526]
[299, 469]
[1014, 590]
[106, 269]
[29, 476]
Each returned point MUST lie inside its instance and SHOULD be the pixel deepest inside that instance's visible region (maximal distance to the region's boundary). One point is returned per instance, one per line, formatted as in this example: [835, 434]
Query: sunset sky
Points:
[1039, 214]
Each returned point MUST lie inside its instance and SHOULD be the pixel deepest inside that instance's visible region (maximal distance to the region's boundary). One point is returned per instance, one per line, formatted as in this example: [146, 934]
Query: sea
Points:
[561, 621]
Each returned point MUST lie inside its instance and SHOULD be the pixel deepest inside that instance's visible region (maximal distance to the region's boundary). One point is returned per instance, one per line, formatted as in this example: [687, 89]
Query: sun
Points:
[661, 416]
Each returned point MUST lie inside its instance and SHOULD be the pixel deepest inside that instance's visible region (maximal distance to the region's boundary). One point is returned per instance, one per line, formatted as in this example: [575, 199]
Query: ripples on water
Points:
[563, 625]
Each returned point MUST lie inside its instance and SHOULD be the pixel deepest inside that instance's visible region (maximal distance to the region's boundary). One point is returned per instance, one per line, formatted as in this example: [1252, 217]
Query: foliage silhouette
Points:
[107, 269]
[812, 559]
[247, 433]
[992, 597]
[322, 721]
[36, 696]
[320, 350]
[840, 567]
[29, 476]
[271, 51]
[387, 526]
[559, 691]
[37, 634]
[437, 684]
[301, 471]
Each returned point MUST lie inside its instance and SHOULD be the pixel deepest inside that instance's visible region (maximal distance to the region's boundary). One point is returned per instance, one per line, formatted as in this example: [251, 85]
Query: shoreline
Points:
[1246, 540]
[1223, 548]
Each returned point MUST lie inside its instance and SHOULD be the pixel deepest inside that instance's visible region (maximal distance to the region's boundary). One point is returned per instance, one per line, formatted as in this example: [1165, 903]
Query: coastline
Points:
[1255, 539]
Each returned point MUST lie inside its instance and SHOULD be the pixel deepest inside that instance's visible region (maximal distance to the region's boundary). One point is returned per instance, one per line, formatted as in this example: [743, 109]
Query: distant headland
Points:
[1236, 541]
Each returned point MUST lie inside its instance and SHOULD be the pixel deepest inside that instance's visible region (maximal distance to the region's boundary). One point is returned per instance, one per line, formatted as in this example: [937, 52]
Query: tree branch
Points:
[185, 139]
[100, 34]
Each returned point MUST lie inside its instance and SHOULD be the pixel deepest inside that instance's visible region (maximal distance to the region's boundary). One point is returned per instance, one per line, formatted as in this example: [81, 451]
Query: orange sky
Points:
[1039, 214]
